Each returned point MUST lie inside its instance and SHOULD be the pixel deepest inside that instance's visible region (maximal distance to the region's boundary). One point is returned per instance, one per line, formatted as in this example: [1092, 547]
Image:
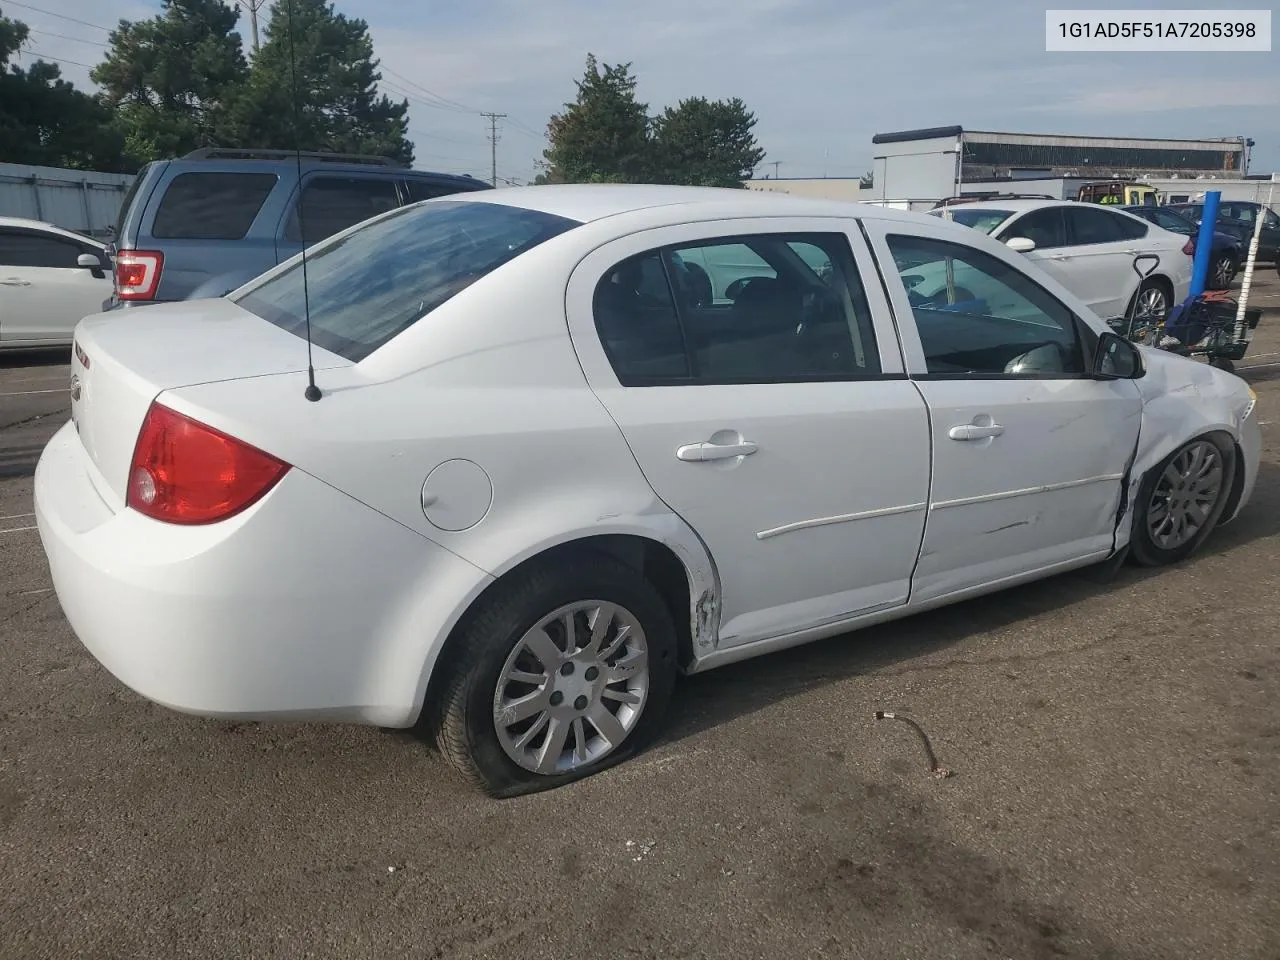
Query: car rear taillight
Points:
[138, 274]
[1189, 248]
[189, 473]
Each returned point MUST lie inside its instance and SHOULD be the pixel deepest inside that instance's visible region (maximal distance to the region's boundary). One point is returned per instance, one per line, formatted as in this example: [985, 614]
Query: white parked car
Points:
[1091, 250]
[548, 468]
[50, 279]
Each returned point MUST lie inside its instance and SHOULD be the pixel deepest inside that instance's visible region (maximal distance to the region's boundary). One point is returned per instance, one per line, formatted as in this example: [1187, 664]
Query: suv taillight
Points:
[185, 472]
[138, 274]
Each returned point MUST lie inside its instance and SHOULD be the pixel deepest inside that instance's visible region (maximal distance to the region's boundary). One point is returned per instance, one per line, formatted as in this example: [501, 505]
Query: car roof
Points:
[1016, 204]
[47, 227]
[586, 203]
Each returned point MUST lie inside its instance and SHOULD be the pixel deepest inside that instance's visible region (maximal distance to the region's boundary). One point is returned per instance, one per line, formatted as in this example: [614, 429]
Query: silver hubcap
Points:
[573, 688]
[1222, 272]
[1185, 495]
[1151, 305]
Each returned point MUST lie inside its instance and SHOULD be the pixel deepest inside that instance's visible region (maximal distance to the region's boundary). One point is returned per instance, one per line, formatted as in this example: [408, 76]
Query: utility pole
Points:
[493, 119]
[253, 6]
[776, 164]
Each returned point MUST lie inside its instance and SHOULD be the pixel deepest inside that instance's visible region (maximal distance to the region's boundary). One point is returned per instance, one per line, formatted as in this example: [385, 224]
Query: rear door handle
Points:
[971, 431]
[15, 282]
[698, 452]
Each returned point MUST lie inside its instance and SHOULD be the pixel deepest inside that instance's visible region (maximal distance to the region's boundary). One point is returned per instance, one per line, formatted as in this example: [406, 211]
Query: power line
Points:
[493, 119]
[395, 88]
[60, 16]
[444, 101]
[45, 56]
[63, 36]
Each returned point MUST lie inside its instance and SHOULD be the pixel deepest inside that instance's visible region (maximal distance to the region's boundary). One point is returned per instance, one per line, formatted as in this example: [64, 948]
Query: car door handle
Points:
[971, 431]
[698, 452]
[15, 282]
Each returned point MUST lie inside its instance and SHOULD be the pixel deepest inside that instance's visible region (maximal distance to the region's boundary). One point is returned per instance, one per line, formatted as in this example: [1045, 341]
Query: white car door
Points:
[1102, 257]
[1029, 452]
[780, 425]
[44, 293]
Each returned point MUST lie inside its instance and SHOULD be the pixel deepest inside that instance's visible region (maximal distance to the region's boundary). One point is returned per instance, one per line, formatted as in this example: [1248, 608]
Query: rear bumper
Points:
[309, 605]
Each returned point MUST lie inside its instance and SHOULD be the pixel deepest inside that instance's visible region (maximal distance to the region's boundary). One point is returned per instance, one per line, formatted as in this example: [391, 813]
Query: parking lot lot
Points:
[1115, 749]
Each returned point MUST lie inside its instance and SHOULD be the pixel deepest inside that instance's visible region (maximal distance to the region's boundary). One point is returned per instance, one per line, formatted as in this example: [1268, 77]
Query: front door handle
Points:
[15, 282]
[971, 431]
[698, 452]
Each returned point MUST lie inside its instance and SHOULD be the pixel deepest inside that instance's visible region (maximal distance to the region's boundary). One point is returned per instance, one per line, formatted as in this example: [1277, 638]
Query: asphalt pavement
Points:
[1114, 750]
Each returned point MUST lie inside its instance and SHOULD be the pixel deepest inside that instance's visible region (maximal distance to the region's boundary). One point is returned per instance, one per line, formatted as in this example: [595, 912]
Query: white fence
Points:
[80, 200]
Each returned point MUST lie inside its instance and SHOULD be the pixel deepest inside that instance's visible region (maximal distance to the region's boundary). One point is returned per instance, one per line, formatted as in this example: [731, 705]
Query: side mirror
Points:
[1117, 359]
[1021, 245]
[93, 263]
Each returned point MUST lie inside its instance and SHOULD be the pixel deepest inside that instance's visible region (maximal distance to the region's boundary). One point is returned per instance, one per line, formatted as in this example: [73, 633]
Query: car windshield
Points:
[368, 286]
[985, 220]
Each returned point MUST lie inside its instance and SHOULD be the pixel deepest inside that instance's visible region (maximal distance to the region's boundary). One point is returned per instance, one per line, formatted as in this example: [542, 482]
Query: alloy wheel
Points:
[1152, 306]
[573, 687]
[1185, 495]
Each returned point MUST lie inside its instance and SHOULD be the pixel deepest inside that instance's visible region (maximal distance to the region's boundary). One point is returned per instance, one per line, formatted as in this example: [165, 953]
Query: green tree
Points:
[44, 120]
[705, 143]
[603, 136]
[170, 79]
[335, 85]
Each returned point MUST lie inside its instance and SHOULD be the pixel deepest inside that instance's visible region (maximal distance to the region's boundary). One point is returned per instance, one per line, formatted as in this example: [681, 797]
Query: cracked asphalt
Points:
[1115, 752]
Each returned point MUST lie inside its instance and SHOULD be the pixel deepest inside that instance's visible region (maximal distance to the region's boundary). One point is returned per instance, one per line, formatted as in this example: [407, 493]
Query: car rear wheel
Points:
[564, 672]
[1222, 271]
[1151, 305]
[1181, 500]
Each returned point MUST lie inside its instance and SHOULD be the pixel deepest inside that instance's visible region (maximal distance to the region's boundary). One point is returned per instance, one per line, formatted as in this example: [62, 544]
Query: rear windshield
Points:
[983, 220]
[371, 284]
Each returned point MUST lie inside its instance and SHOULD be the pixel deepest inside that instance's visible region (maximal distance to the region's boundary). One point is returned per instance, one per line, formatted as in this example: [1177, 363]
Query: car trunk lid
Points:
[122, 362]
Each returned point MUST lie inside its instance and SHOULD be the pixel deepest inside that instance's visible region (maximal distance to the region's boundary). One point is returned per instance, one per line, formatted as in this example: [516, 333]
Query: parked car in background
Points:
[1237, 217]
[549, 468]
[1226, 250]
[50, 279]
[203, 225]
[1091, 250]
[1118, 192]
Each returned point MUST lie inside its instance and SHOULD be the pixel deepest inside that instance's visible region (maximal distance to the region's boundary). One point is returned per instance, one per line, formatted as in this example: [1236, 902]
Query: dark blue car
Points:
[1228, 252]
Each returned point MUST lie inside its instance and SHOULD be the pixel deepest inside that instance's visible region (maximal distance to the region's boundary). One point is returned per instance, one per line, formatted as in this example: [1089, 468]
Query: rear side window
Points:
[379, 280]
[426, 190]
[1130, 228]
[1091, 225]
[211, 206]
[331, 204]
[127, 202]
[37, 250]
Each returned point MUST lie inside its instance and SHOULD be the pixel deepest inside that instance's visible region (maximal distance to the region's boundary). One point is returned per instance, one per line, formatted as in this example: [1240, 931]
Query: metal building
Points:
[80, 200]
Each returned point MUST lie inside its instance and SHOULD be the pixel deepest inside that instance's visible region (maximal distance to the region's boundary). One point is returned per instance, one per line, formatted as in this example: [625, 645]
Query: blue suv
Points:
[202, 225]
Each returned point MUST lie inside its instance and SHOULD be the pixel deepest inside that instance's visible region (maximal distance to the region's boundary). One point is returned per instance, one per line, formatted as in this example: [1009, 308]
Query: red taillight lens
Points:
[1189, 248]
[186, 472]
[138, 274]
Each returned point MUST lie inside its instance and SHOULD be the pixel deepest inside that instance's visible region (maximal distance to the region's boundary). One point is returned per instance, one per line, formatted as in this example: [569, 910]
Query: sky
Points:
[821, 76]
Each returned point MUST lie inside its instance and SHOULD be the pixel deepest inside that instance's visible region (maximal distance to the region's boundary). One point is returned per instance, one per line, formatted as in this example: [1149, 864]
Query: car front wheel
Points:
[1181, 500]
[564, 671]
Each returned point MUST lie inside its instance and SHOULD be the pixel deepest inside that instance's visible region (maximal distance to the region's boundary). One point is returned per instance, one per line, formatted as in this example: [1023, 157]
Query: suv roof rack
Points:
[249, 153]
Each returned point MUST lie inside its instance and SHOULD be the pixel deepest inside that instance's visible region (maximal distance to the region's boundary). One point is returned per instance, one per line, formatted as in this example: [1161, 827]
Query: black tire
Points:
[461, 719]
[1142, 547]
[1222, 363]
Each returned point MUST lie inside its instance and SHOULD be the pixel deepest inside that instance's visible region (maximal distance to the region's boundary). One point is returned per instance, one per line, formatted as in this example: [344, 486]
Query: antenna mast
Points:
[312, 392]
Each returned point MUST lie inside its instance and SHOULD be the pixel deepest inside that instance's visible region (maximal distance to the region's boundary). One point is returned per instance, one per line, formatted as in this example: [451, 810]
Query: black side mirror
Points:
[1117, 359]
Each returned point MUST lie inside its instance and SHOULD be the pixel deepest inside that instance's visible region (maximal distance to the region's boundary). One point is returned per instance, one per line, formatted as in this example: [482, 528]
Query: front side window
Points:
[211, 206]
[979, 317]
[24, 249]
[769, 308]
[367, 287]
[330, 204]
[1043, 227]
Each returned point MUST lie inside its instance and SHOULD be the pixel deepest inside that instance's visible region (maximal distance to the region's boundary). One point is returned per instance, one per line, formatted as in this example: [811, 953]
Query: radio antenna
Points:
[312, 392]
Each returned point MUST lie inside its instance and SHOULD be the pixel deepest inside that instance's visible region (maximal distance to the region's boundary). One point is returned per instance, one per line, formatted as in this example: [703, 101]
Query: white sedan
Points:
[50, 279]
[1091, 250]
[548, 464]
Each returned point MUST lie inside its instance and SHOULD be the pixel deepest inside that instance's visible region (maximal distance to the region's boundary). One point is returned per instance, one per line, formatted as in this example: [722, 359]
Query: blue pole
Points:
[1204, 244]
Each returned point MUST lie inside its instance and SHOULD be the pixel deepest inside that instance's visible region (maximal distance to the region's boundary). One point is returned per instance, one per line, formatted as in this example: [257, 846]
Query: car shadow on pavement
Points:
[50, 357]
[721, 695]
[20, 460]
